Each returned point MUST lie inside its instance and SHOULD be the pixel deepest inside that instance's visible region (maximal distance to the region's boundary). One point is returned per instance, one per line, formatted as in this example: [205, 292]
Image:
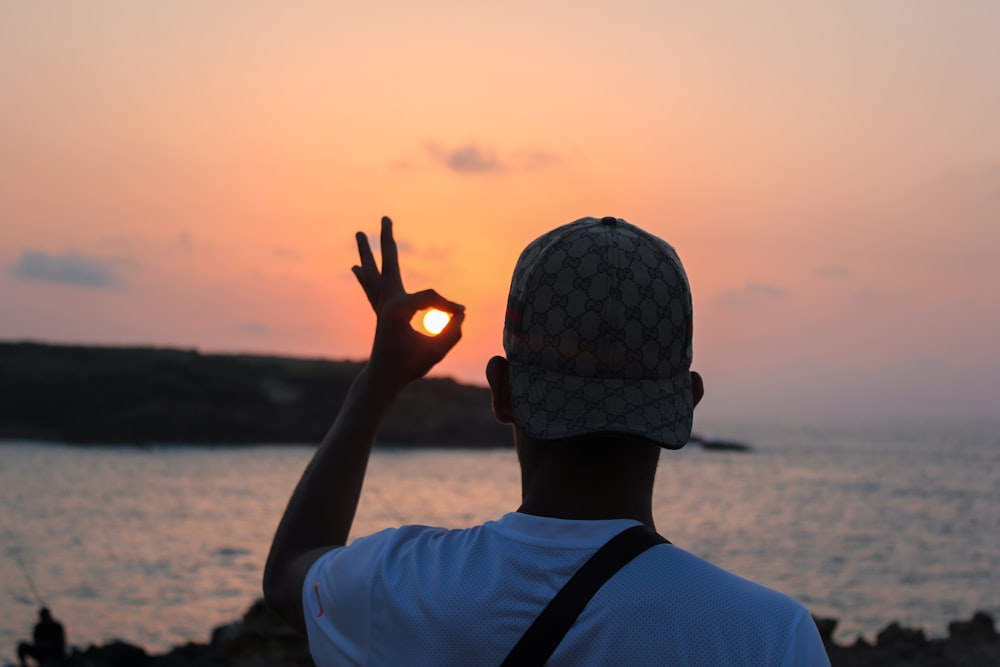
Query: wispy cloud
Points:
[184, 241]
[752, 293]
[286, 252]
[68, 269]
[253, 327]
[469, 159]
[472, 158]
[533, 159]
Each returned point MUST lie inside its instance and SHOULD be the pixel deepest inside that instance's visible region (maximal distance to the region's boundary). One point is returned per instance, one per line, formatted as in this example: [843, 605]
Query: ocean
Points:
[868, 522]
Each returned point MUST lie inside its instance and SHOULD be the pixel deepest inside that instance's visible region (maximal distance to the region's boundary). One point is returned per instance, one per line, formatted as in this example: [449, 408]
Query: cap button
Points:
[609, 221]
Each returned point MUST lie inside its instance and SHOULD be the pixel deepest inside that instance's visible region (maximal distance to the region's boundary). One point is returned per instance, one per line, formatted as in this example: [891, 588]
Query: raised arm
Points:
[322, 507]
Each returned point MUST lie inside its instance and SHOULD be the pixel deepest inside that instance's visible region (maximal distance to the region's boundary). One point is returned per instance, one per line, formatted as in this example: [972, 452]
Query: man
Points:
[596, 380]
[49, 647]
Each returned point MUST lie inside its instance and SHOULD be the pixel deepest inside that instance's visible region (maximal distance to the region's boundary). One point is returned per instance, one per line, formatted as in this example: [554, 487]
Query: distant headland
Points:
[142, 395]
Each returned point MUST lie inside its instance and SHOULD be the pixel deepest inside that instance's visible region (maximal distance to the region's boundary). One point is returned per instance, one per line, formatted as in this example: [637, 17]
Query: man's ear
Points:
[697, 387]
[498, 375]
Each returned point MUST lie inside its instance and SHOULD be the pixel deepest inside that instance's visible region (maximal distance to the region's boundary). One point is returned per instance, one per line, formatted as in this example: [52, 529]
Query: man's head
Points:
[598, 336]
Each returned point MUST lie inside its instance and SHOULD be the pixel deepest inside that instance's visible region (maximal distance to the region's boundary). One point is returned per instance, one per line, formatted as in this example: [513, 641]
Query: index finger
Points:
[390, 258]
[429, 298]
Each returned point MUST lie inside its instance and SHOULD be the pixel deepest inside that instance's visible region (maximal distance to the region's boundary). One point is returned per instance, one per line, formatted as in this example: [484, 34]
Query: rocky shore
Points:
[261, 639]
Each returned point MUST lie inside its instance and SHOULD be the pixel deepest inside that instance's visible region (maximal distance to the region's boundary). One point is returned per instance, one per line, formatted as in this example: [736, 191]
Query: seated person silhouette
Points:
[49, 647]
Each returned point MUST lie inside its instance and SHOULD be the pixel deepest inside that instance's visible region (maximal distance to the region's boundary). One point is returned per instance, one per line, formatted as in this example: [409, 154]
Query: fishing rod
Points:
[16, 553]
[31, 582]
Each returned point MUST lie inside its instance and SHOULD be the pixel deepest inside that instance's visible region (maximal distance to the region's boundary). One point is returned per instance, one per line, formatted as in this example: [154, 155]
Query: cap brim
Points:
[549, 405]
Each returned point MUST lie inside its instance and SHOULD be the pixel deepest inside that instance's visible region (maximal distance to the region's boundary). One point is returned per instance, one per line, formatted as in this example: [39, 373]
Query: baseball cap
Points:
[598, 335]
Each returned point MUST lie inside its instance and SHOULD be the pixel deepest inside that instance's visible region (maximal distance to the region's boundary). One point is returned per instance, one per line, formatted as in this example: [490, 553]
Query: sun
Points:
[435, 321]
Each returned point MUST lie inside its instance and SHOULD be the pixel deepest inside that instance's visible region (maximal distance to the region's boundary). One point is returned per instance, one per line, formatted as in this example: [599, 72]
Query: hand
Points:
[400, 354]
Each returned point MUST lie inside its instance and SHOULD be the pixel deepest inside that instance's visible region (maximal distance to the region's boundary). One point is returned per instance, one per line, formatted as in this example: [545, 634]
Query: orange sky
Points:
[191, 174]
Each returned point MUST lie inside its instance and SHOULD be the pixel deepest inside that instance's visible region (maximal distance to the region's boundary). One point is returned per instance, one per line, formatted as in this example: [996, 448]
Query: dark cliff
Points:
[134, 395]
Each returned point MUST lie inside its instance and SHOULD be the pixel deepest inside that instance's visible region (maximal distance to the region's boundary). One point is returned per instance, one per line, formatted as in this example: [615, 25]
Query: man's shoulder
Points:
[402, 539]
[704, 589]
[695, 611]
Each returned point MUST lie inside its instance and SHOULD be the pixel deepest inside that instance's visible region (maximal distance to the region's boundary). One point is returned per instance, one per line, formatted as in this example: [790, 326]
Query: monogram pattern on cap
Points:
[598, 335]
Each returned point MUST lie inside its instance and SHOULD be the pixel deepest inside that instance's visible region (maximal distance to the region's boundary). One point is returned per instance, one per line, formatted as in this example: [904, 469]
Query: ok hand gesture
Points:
[400, 354]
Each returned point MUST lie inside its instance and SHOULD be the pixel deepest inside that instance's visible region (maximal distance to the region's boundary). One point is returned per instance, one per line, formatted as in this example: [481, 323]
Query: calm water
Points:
[157, 546]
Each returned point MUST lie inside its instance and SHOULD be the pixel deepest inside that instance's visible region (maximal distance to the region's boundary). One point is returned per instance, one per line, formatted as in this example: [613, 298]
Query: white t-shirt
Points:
[418, 595]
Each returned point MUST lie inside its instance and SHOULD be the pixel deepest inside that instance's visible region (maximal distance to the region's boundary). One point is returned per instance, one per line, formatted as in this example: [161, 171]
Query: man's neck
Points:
[588, 495]
[585, 481]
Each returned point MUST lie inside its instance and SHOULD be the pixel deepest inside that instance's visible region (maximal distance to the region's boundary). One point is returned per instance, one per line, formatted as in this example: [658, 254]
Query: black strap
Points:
[544, 635]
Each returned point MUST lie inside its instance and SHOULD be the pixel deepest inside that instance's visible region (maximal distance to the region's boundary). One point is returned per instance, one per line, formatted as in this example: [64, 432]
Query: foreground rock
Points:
[972, 643]
[261, 638]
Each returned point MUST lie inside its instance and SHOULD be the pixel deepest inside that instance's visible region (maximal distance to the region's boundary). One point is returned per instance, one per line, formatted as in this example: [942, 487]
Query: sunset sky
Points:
[192, 173]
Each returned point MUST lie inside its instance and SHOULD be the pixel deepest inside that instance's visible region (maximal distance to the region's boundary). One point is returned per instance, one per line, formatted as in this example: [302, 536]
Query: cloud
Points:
[375, 243]
[255, 328]
[286, 252]
[475, 159]
[533, 159]
[764, 289]
[184, 241]
[752, 293]
[68, 269]
[470, 159]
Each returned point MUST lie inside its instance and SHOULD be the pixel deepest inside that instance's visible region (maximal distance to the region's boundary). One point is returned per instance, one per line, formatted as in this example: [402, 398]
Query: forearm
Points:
[321, 510]
[322, 507]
